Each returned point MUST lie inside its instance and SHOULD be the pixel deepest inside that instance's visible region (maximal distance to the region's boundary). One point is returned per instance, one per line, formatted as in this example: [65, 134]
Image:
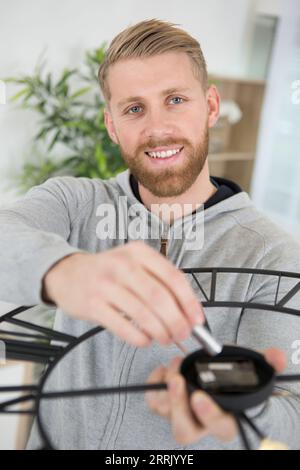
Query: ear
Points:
[110, 126]
[213, 102]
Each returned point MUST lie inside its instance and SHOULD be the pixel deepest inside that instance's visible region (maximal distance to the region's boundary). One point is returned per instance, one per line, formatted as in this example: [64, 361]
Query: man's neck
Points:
[184, 204]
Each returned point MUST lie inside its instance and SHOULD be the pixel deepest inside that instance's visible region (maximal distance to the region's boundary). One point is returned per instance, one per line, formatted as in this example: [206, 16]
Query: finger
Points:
[173, 279]
[124, 300]
[157, 375]
[163, 373]
[158, 401]
[276, 358]
[158, 299]
[185, 427]
[215, 421]
[109, 318]
[174, 365]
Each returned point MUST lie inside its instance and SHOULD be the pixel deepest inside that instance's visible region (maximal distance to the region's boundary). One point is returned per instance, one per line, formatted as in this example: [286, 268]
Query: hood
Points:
[238, 200]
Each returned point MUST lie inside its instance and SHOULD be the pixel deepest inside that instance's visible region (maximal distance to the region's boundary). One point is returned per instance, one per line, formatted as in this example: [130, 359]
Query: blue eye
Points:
[134, 108]
[177, 98]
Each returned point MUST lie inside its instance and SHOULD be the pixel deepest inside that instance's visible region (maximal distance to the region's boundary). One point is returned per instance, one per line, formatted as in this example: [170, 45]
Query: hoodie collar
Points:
[238, 198]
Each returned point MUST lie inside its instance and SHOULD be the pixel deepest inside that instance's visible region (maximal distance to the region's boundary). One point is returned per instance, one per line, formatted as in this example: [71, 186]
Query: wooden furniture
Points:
[235, 158]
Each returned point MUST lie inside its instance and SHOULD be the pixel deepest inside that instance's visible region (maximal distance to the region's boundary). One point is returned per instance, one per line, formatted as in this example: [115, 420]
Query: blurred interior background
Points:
[252, 48]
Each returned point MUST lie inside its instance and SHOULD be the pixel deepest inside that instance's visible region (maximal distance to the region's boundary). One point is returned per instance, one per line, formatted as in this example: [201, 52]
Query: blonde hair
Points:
[149, 38]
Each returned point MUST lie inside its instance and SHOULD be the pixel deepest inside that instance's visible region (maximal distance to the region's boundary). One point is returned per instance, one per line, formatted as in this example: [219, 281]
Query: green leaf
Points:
[54, 140]
[94, 173]
[80, 92]
[14, 80]
[65, 76]
[48, 83]
[101, 159]
[19, 94]
[83, 125]
[63, 90]
[43, 132]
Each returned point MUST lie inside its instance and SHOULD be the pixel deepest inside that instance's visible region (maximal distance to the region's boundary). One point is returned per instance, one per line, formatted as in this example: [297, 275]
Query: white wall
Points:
[67, 28]
[275, 185]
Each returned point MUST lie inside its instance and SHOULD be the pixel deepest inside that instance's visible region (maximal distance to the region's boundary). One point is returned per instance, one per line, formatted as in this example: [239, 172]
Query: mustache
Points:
[151, 143]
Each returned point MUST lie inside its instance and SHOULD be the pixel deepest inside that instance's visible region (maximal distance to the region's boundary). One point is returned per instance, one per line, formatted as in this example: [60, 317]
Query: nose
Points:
[157, 124]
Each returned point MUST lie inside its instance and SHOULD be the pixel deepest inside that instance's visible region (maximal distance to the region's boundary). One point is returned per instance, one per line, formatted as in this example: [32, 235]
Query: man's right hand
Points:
[132, 290]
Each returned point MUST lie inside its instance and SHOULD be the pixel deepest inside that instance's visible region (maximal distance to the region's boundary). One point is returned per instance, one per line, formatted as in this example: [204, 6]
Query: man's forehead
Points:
[135, 78]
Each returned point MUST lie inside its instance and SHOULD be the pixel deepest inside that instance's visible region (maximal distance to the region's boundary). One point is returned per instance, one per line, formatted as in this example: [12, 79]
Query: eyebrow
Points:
[169, 91]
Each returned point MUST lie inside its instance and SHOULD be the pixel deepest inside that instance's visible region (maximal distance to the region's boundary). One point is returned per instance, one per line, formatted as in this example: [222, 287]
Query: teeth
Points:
[167, 154]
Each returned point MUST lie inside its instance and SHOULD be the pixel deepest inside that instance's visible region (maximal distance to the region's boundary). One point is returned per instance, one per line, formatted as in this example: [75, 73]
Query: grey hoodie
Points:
[61, 217]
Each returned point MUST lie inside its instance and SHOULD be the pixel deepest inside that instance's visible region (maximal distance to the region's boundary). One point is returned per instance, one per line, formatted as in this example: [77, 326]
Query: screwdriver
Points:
[206, 340]
[209, 343]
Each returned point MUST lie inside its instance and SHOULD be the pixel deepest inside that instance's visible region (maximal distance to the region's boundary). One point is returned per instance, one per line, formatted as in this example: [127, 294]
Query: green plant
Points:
[71, 121]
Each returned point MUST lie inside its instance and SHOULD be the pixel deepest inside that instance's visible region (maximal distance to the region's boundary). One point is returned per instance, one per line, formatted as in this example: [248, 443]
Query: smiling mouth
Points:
[164, 155]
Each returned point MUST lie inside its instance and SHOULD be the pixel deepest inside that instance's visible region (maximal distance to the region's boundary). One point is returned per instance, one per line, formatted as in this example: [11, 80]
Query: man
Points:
[159, 108]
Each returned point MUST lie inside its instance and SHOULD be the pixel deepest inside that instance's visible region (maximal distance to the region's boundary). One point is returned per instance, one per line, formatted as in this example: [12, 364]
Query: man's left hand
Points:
[196, 416]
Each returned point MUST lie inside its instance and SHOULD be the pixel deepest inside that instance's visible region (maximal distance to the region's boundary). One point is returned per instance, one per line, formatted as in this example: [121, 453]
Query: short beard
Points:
[169, 182]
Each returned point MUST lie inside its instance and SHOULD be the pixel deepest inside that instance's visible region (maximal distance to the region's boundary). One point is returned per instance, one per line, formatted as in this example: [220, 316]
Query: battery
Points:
[232, 376]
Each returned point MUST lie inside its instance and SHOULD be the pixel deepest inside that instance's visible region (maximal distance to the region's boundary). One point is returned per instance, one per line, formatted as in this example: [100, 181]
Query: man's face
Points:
[158, 105]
